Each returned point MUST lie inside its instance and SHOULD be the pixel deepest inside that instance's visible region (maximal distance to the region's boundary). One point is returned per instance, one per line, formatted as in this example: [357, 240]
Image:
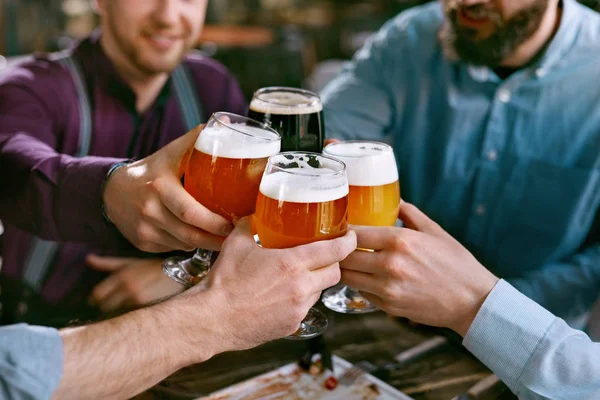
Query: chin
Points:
[158, 65]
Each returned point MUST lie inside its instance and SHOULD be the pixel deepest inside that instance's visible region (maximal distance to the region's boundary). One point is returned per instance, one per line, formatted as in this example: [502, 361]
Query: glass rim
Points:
[286, 170]
[262, 126]
[308, 93]
[387, 147]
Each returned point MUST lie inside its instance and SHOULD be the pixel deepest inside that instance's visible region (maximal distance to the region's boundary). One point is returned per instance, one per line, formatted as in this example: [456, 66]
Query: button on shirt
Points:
[508, 167]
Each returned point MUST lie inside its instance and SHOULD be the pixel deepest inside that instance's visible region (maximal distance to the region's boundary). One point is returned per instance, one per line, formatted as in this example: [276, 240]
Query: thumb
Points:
[108, 264]
[416, 220]
[179, 150]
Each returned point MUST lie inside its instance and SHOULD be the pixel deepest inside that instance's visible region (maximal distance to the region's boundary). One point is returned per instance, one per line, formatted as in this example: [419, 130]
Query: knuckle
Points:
[299, 295]
[187, 212]
[287, 266]
[399, 243]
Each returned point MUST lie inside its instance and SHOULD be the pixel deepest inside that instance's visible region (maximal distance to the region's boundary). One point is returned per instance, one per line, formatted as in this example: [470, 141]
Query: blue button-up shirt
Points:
[31, 362]
[536, 354]
[509, 167]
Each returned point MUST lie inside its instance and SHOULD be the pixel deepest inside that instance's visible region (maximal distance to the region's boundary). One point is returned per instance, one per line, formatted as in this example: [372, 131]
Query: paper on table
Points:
[290, 382]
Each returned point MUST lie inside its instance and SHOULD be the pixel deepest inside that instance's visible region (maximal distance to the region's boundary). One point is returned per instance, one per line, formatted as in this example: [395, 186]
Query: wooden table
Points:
[374, 337]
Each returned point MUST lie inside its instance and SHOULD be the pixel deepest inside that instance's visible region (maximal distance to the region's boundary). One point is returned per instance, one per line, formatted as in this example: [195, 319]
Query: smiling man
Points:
[492, 109]
[126, 91]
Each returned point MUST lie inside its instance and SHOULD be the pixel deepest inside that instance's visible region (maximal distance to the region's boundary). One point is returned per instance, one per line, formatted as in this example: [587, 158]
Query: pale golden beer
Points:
[374, 198]
[226, 166]
[303, 198]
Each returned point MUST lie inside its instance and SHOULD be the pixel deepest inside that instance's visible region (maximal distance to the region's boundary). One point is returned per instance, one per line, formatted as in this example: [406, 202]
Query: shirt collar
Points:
[104, 73]
[555, 50]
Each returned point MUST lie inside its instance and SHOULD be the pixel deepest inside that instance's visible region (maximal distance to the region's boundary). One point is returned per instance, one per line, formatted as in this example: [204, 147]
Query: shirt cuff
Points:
[31, 361]
[80, 203]
[506, 332]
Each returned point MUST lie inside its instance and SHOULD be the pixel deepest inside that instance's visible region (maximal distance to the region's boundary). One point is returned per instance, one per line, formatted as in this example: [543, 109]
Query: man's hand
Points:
[419, 272]
[259, 294]
[150, 207]
[134, 282]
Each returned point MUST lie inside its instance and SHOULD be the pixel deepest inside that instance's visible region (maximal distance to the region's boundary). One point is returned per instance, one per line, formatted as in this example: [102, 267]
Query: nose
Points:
[167, 12]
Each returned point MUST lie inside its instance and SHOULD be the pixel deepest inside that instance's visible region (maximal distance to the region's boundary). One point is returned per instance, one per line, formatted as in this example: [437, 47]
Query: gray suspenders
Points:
[42, 252]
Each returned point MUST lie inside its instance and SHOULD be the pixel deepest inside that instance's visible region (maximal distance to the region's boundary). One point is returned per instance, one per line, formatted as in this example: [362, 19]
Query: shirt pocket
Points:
[545, 212]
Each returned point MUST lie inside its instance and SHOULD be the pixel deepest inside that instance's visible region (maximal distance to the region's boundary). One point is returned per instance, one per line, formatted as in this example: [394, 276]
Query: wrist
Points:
[110, 176]
[195, 319]
[475, 297]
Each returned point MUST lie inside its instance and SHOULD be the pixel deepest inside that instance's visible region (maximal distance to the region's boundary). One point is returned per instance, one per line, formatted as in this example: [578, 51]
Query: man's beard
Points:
[461, 42]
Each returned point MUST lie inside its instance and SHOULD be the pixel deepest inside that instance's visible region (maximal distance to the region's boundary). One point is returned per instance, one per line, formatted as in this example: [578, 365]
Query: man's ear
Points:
[98, 6]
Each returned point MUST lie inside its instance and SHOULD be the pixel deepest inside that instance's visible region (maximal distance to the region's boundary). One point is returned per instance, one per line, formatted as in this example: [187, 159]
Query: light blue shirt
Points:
[510, 168]
[31, 362]
[536, 354]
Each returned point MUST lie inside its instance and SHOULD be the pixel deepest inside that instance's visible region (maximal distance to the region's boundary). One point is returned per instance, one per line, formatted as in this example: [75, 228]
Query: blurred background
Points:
[298, 43]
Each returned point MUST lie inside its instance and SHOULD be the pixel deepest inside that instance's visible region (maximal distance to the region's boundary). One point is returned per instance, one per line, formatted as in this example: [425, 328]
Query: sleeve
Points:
[535, 353]
[52, 195]
[568, 288]
[31, 362]
[359, 103]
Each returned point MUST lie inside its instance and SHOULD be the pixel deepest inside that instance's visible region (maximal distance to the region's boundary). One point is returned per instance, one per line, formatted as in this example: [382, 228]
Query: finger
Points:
[188, 235]
[361, 281]
[104, 289]
[115, 301]
[188, 210]
[331, 141]
[363, 261]
[376, 237]
[103, 263]
[415, 219]
[326, 252]
[325, 277]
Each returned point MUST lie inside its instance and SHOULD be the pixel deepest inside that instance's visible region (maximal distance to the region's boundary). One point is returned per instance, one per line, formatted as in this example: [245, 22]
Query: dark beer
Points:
[296, 114]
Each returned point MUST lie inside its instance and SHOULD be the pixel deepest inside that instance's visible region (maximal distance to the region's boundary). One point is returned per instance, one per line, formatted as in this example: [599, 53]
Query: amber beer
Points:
[296, 114]
[374, 197]
[226, 166]
[301, 205]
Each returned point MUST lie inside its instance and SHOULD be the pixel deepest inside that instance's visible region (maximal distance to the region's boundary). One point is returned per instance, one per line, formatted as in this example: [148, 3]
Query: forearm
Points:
[567, 289]
[536, 354]
[121, 357]
[52, 195]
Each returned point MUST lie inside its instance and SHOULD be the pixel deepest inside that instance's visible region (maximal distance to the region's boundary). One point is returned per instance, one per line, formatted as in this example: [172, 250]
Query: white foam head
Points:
[285, 102]
[367, 163]
[238, 141]
[302, 183]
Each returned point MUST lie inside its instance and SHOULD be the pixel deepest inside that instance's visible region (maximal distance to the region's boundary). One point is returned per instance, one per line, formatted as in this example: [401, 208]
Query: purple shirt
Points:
[45, 191]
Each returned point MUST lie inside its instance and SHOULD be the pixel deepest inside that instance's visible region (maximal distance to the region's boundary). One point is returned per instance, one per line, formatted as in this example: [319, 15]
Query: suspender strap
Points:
[190, 106]
[42, 252]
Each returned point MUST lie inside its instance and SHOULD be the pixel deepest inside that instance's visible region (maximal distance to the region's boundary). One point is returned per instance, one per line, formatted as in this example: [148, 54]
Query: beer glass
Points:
[296, 114]
[303, 198]
[223, 174]
[374, 200]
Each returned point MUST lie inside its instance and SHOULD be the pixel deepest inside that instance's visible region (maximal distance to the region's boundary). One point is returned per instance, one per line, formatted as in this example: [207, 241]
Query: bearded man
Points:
[492, 108]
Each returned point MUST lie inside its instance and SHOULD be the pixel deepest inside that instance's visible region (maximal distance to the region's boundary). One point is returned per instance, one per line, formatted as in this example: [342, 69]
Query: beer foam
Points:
[238, 141]
[295, 185]
[367, 163]
[286, 103]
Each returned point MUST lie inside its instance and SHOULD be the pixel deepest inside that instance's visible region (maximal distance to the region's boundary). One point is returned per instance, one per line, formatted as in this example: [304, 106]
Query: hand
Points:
[150, 207]
[134, 282]
[263, 294]
[419, 272]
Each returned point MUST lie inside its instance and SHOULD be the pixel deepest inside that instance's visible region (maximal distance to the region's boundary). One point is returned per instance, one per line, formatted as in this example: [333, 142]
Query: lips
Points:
[162, 42]
[472, 19]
